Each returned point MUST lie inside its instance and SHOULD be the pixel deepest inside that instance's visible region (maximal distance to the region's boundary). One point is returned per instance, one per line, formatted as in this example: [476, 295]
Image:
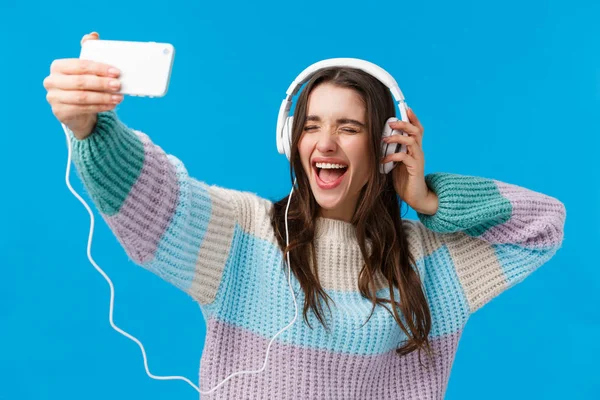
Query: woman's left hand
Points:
[409, 173]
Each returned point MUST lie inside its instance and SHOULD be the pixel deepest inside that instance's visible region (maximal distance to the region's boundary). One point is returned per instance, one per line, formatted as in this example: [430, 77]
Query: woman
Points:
[398, 292]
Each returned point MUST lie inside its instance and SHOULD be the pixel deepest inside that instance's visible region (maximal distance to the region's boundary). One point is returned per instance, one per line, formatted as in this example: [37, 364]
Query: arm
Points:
[495, 233]
[167, 222]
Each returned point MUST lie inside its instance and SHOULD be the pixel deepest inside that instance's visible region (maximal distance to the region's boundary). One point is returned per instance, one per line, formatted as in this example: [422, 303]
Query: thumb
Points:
[90, 36]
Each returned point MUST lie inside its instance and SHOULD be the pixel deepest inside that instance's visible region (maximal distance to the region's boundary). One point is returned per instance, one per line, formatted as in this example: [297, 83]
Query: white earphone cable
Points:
[112, 290]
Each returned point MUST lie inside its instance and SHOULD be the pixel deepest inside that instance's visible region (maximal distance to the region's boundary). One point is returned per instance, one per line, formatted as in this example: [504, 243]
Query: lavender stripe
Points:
[294, 372]
[537, 219]
[149, 206]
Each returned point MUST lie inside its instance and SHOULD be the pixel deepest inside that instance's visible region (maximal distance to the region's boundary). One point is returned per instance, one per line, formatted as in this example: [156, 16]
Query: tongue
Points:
[330, 175]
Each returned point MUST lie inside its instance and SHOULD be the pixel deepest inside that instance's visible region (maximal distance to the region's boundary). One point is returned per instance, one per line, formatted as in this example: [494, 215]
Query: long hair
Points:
[376, 219]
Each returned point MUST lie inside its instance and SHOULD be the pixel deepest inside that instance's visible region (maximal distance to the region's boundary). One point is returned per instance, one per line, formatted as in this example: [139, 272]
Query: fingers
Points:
[90, 67]
[78, 89]
[90, 36]
[66, 111]
[81, 82]
[409, 141]
[403, 158]
[412, 117]
[413, 146]
[405, 127]
[413, 127]
[81, 74]
[77, 66]
[79, 97]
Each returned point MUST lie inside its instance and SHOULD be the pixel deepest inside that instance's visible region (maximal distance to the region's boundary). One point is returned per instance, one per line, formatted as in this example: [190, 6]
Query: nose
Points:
[327, 141]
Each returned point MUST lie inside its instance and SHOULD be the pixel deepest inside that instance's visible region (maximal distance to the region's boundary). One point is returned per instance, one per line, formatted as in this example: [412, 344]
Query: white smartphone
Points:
[145, 66]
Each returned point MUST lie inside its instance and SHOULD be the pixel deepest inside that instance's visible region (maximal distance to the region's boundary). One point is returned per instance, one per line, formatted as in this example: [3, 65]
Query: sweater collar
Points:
[334, 229]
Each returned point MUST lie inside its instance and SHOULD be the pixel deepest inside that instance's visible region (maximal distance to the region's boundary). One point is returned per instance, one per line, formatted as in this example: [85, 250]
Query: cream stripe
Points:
[477, 267]
[254, 216]
[215, 247]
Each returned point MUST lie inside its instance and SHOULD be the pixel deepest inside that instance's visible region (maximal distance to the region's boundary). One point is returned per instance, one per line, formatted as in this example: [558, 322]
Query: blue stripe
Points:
[445, 294]
[177, 252]
[518, 262]
[258, 299]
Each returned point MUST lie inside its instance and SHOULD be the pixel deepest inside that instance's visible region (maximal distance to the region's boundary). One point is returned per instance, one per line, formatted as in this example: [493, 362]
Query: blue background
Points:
[508, 90]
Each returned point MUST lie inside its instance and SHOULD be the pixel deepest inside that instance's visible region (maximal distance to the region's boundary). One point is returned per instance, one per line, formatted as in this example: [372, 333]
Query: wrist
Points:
[430, 205]
[85, 129]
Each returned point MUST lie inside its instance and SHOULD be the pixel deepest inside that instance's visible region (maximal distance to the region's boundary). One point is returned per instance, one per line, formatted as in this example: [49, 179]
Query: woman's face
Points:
[334, 149]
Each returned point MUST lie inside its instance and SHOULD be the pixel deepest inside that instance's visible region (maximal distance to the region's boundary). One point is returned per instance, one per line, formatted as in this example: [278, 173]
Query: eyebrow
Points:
[316, 118]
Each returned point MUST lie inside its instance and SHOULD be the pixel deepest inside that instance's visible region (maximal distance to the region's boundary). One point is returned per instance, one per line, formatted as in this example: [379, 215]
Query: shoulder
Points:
[253, 212]
[421, 241]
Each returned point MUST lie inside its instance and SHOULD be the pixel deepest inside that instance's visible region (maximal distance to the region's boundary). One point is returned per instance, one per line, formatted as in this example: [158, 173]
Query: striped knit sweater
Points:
[218, 246]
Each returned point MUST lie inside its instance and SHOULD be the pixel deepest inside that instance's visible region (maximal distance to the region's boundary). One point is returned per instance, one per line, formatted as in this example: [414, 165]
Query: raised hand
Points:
[409, 174]
[78, 90]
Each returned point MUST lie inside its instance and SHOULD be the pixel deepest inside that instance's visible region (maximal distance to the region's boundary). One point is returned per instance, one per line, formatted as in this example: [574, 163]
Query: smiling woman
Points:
[399, 288]
[338, 120]
[474, 240]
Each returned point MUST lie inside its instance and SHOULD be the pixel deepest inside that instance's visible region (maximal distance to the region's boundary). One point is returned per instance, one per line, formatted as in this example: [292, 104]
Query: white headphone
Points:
[284, 120]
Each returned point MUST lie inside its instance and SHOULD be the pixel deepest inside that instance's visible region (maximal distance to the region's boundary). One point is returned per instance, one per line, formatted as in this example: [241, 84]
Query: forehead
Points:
[328, 100]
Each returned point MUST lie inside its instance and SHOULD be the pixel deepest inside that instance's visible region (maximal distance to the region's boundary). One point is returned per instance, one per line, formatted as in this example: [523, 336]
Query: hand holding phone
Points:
[77, 90]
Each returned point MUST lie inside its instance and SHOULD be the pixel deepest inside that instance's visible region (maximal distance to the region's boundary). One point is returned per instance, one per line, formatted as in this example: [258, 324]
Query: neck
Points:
[338, 213]
[334, 229]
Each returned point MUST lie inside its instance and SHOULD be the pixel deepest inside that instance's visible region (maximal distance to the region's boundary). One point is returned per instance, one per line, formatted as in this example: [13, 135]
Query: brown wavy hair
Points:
[376, 218]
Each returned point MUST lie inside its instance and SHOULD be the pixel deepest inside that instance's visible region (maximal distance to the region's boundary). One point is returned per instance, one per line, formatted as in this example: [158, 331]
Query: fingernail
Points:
[116, 98]
[114, 84]
[114, 72]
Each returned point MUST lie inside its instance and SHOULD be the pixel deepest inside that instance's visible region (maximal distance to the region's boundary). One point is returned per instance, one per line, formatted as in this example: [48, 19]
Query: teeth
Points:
[330, 166]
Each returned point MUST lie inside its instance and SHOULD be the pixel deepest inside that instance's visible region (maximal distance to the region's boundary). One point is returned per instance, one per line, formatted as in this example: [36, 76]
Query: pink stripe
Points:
[294, 372]
[537, 220]
[149, 206]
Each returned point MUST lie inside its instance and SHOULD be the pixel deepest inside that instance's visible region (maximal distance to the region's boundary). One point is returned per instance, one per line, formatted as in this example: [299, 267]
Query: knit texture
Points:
[218, 246]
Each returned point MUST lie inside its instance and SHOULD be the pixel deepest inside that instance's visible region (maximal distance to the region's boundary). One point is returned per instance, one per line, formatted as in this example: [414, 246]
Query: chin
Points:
[328, 200]
[327, 203]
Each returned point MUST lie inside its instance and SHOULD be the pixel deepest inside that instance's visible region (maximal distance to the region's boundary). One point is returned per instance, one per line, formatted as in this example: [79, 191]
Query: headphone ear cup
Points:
[280, 148]
[287, 136]
[390, 148]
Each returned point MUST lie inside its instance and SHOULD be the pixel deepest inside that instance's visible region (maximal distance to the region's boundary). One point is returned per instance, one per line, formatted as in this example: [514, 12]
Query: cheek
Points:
[304, 151]
[363, 174]
[360, 157]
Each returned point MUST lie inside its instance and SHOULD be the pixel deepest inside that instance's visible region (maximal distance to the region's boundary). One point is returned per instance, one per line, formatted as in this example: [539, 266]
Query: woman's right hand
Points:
[79, 89]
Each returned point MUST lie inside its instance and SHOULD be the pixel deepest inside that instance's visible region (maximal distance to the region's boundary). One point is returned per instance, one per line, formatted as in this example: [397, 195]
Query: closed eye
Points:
[307, 128]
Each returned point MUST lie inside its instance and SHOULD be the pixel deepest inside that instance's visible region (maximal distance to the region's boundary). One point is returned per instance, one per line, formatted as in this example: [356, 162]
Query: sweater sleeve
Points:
[181, 229]
[495, 233]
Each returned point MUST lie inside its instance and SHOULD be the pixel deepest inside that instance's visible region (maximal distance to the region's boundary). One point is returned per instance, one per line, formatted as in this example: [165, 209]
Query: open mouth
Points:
[329, 175]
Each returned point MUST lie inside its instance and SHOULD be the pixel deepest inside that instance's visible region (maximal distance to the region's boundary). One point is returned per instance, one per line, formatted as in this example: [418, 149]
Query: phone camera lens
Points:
[165, 51]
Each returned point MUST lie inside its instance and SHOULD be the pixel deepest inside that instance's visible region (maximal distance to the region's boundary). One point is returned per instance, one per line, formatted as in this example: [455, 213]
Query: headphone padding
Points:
[390, 148]
[287, 136]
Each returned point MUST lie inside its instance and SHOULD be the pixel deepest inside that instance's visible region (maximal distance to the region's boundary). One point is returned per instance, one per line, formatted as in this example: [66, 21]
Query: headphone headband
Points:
[374, 70]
